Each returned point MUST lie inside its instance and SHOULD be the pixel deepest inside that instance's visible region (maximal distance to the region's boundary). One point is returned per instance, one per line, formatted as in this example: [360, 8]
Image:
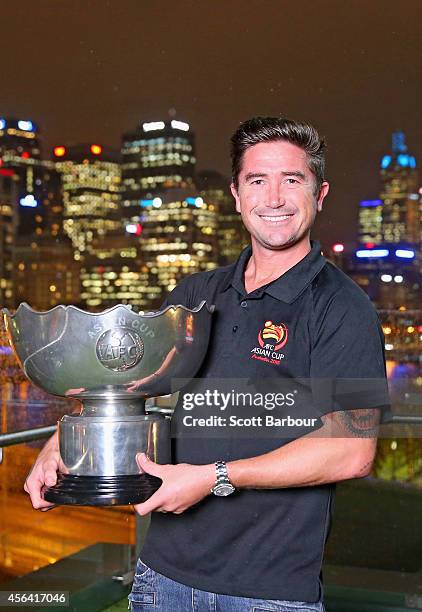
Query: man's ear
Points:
[236, 196]
[325, 187]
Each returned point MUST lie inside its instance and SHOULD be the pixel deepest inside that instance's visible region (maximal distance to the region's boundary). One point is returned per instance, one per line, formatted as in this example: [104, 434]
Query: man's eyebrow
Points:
[297, 173]
[254, 175]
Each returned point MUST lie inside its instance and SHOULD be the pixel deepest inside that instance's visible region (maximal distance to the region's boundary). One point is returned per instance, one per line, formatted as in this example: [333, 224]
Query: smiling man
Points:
[239, 523]
[278, 195]
[282, 312]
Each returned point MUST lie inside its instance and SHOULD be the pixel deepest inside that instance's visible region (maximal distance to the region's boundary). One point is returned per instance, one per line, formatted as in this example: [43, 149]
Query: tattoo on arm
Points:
[363, 423]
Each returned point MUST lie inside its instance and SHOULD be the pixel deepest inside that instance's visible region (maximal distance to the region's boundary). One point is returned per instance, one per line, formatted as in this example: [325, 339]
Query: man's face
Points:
[276, 194]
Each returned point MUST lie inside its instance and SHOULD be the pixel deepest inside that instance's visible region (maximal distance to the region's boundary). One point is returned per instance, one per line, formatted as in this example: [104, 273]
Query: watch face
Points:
[222, 490]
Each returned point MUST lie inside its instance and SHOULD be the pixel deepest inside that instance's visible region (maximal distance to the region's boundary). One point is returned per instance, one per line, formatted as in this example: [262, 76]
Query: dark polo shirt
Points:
[266, 543]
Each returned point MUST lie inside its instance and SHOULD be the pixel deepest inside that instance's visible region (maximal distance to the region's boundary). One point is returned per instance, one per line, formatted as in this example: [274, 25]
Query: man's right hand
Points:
[44, 472]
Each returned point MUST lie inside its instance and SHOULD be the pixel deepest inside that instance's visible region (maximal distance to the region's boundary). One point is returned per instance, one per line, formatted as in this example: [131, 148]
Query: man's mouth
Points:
[276, 218]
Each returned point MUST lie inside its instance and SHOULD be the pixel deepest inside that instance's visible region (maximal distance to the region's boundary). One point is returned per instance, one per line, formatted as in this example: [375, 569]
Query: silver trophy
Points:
[111, 362]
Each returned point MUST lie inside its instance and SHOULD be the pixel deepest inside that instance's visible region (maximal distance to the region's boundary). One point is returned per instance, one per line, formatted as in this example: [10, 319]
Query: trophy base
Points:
[101, 490]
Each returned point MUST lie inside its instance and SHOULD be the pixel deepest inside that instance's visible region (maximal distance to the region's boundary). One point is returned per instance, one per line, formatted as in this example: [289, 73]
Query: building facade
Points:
[20, 153]
[8, 220]
[156, 156]
[45, 273]
[401, 220]
[232, 236]
[178, 237]
[91, 181]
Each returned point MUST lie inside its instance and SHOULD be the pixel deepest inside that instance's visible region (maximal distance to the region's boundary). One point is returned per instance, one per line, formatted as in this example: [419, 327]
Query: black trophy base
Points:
[101, 490]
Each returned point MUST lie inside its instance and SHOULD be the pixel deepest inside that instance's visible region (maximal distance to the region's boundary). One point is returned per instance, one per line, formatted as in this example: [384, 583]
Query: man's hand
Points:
[44, 472]
[183, 485]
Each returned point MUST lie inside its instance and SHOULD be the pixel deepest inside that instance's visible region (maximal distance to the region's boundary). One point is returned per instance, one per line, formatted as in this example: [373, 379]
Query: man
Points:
[261, 548]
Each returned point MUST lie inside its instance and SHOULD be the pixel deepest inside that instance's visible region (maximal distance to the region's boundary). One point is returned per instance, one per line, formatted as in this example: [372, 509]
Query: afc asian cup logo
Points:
[119, 349]
[271, 331]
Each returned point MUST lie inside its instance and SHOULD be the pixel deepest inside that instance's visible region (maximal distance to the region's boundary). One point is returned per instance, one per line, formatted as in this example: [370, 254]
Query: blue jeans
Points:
[153, 592]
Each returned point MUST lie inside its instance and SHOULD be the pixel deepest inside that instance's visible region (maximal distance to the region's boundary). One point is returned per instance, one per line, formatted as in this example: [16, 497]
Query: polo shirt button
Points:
[244, 304]
[235, 328]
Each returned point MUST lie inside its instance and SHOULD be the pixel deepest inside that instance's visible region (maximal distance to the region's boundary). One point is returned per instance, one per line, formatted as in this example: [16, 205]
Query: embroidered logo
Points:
[271, 338]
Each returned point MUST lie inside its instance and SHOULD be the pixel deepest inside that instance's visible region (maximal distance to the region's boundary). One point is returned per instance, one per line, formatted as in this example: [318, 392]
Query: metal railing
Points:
[26, 435]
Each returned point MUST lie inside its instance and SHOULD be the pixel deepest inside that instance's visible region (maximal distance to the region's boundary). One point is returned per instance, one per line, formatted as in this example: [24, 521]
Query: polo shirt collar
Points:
[289, 285]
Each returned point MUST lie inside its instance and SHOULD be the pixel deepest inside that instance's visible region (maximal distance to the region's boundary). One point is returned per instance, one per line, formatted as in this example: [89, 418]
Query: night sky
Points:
[88, 70]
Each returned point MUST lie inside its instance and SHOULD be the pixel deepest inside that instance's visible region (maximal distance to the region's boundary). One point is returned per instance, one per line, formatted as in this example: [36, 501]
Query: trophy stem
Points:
[111, 406]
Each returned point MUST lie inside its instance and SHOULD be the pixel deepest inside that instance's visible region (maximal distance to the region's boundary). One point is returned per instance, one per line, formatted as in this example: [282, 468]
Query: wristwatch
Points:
[223, 486]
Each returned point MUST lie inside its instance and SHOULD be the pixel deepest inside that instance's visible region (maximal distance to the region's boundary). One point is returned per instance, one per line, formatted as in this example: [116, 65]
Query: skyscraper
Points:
[370, 222]
[179, 237]
[91, 182]
[45, 273]
[20, 152]
[158, 155]
[388, 262]
[399, 194]
[91, 194]
[7, 234]
[232, 236]
[116, 274]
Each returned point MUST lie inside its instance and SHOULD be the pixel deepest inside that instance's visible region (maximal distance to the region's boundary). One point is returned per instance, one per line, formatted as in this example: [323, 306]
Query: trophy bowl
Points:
[111, 362]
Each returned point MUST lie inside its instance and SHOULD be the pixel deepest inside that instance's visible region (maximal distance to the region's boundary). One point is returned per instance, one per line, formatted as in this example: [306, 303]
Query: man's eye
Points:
[292, 181]
[257, 182]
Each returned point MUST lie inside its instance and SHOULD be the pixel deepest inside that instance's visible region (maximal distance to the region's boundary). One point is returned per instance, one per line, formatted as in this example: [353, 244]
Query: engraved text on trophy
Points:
[120, 348]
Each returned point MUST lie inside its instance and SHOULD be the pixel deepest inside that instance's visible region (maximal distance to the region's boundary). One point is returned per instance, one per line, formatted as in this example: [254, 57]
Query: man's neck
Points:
[265, 265]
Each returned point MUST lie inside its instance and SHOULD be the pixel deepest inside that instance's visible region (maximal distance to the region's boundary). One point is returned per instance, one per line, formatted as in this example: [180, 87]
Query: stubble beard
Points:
[279, 243]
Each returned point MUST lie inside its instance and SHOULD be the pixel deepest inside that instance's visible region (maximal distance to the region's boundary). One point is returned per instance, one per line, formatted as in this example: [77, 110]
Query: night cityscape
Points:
[117, 186]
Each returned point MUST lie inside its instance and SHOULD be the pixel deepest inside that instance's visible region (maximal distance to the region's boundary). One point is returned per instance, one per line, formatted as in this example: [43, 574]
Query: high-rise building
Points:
[37, 186]
[232, 235]
[91, 183]
[31, 201]
[399, 194]
[388, 261]
[45, 273]
[370, 222]
[158, 155]
[179, 237]
[116, 274]
[8, 219]
[91, 194]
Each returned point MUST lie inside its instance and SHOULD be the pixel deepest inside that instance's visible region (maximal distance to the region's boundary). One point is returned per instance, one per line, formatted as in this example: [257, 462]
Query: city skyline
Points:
[328, 238]
[125, 249]
[89, 71]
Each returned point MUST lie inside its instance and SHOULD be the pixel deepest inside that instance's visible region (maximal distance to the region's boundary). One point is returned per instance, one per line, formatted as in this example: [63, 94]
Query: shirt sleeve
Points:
[347, 357]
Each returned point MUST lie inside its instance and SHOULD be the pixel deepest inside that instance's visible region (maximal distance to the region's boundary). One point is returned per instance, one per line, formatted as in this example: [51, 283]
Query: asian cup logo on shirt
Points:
[271, 338]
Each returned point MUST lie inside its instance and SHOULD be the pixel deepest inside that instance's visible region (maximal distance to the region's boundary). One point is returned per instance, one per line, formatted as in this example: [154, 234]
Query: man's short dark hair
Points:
[272, 129]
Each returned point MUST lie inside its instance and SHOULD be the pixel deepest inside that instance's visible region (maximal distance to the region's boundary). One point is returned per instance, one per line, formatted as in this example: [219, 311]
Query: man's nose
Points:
[276, 194]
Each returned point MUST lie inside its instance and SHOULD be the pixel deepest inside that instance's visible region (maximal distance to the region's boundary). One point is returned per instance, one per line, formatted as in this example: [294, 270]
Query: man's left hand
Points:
[183, 485]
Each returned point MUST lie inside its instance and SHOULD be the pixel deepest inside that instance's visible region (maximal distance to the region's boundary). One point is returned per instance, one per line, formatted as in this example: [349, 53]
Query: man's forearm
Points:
[53, 442]
[306, 461]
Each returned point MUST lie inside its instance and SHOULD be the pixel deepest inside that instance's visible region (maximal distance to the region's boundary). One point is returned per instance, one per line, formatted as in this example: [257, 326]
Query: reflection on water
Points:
[30, 539]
